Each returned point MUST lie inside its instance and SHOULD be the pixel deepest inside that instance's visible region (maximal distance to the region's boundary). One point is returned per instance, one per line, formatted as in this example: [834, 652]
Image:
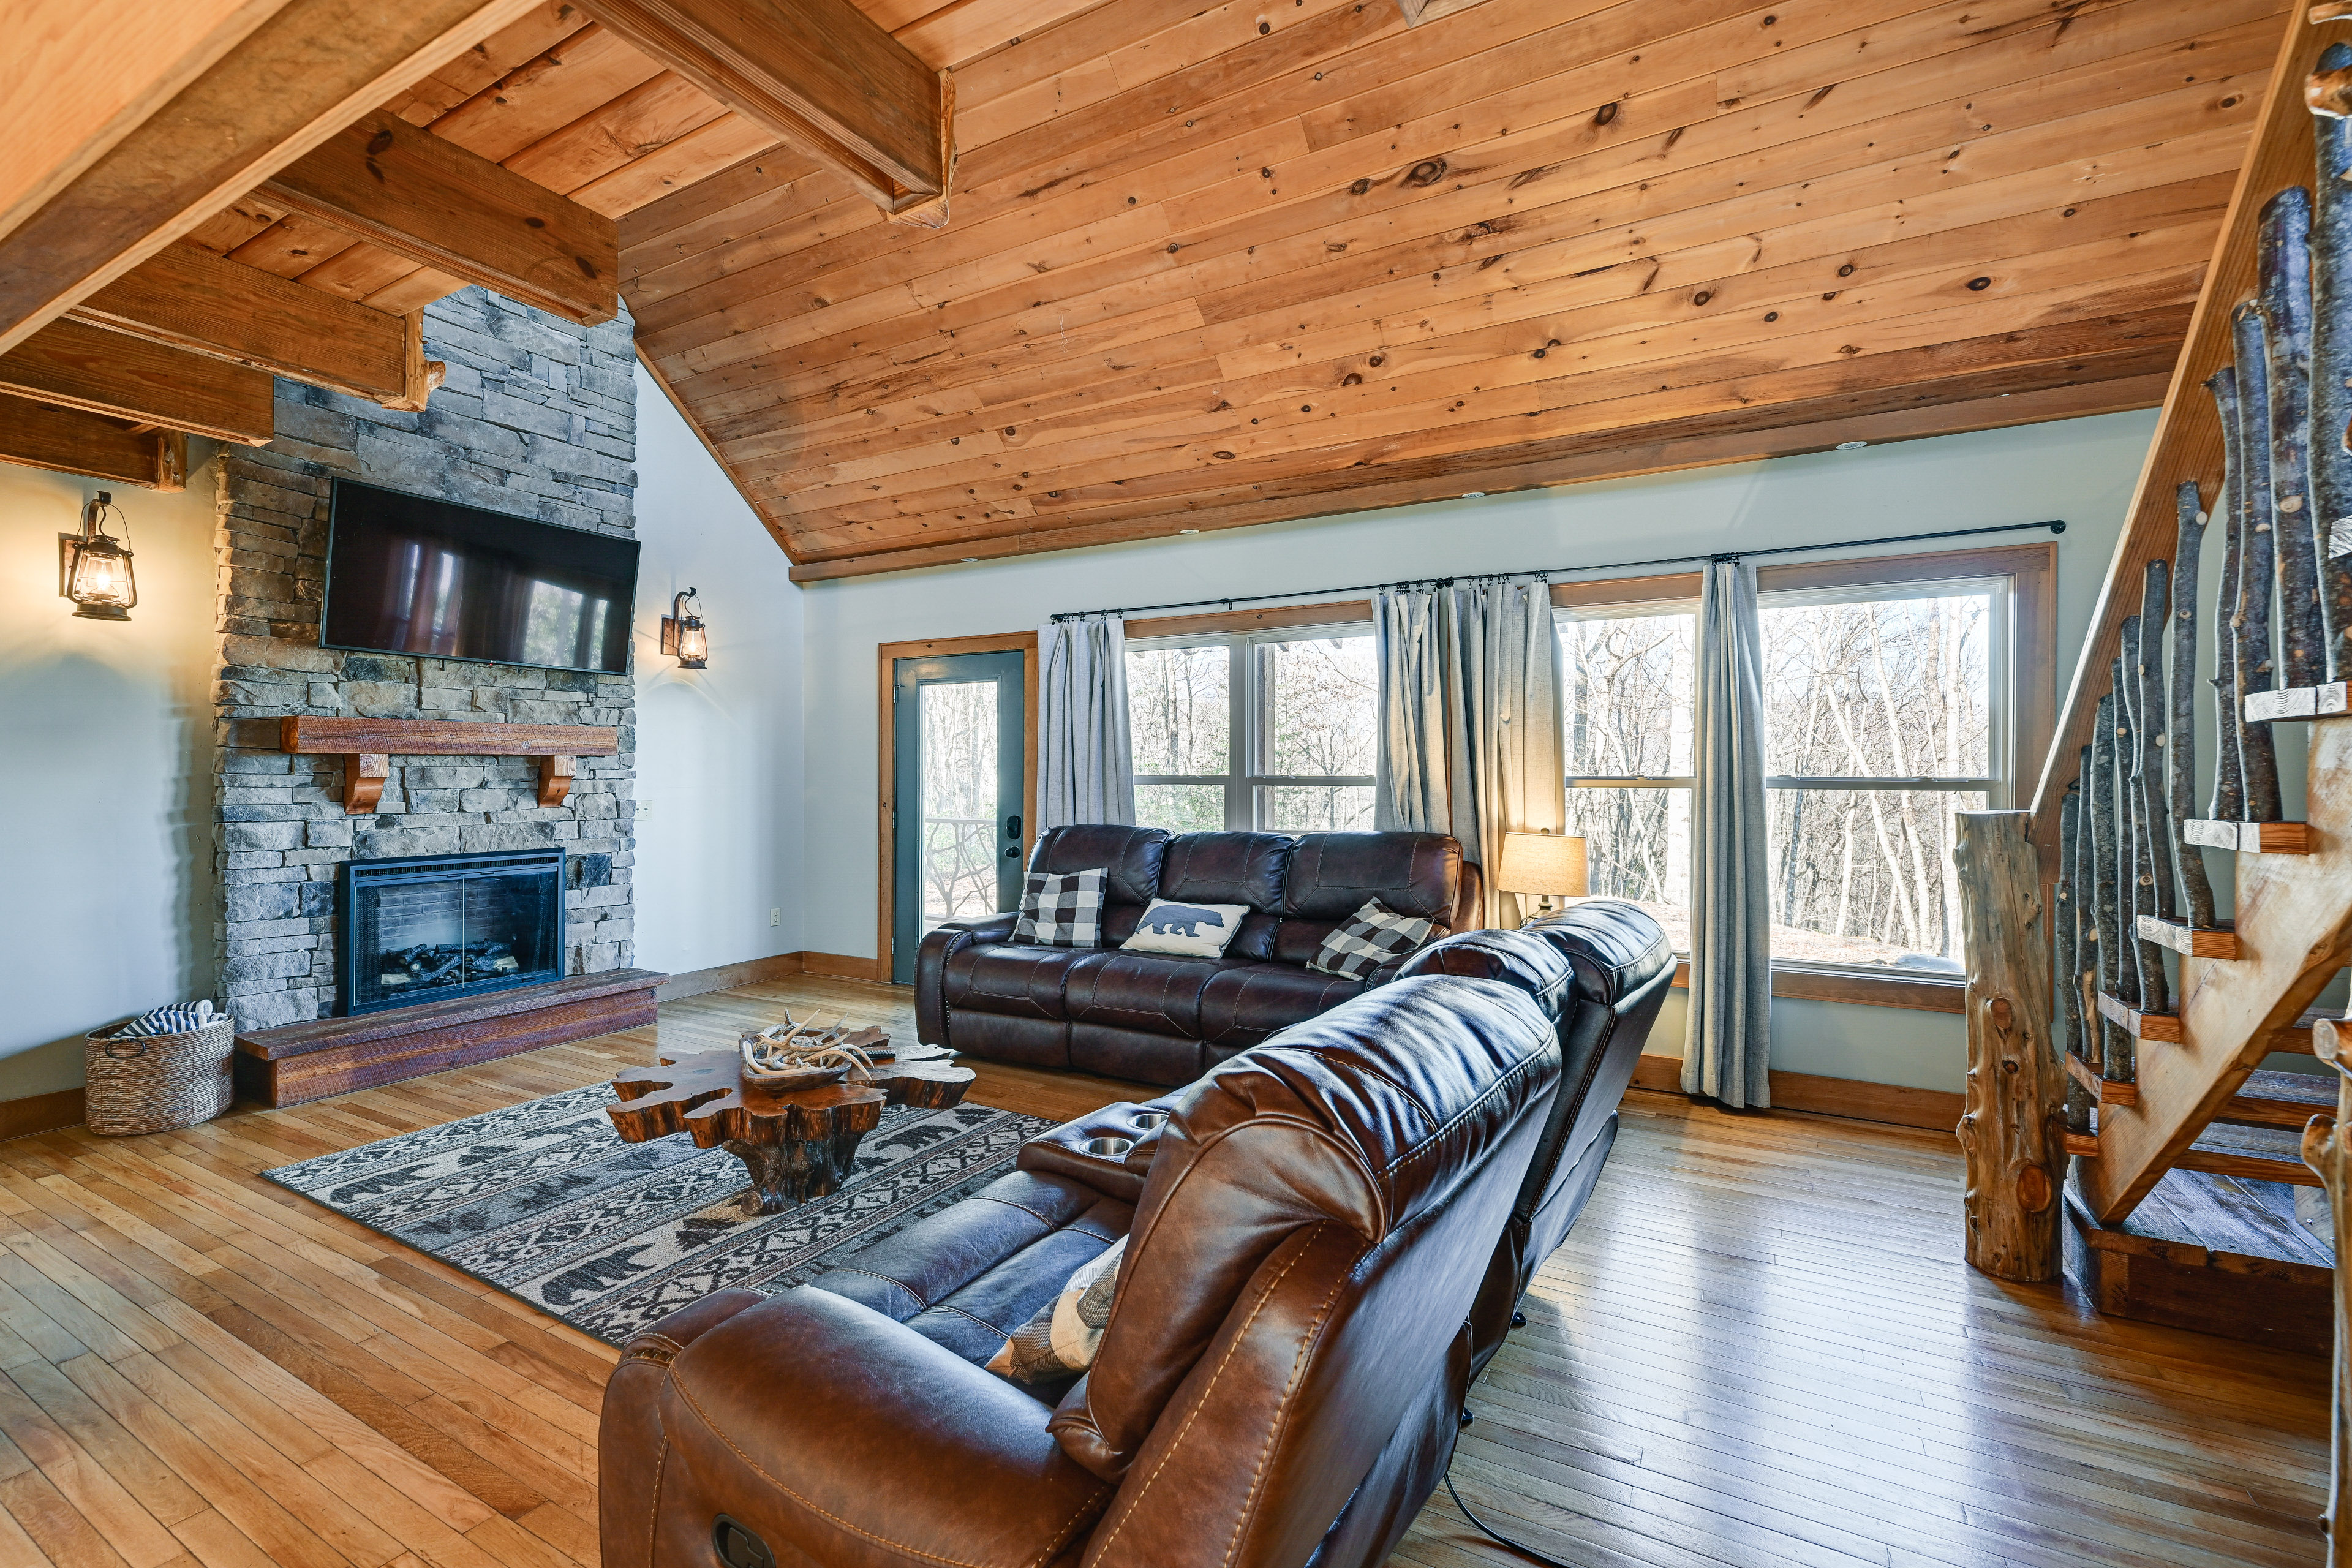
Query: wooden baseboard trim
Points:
[720, 977]
[40, 1113]
[1934, 1109]
[842, 966]
[759, 971]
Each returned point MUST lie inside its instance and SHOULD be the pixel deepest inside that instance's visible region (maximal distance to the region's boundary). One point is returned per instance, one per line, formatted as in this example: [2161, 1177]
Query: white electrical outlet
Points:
[775, 917]
[645, 808]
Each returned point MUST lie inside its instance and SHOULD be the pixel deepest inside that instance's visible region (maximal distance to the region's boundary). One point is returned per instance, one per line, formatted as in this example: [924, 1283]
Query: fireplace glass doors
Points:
[430, 928]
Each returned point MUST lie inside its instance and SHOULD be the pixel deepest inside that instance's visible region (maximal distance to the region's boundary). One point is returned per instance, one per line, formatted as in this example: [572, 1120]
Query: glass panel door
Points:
[959, 791]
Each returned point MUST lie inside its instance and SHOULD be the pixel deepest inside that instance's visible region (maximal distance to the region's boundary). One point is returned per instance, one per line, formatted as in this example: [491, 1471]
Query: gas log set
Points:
[2131, 881]
[447, 964]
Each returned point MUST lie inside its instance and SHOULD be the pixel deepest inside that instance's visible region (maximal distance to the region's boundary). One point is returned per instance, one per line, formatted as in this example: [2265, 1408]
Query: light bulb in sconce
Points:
[94, 567]
[682, 637]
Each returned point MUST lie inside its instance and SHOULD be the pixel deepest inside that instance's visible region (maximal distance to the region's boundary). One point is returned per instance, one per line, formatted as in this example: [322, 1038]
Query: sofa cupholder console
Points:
[1110, 1149]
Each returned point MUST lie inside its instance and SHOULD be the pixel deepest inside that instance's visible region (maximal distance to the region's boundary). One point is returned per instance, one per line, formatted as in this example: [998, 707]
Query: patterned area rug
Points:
[544, 1201]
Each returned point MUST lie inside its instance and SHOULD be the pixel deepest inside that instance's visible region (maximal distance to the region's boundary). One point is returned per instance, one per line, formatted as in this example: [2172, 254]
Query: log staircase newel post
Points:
[2327, 1150]
[2012, 1129]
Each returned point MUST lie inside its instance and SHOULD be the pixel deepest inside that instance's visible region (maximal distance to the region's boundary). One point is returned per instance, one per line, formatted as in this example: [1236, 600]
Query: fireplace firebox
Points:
[428, 927]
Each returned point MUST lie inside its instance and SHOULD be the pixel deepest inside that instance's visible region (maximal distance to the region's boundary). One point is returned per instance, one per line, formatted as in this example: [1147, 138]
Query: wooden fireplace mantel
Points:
[368, 745]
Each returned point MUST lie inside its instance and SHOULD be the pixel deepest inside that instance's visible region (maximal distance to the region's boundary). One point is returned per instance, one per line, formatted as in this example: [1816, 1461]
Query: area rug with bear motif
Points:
[545, 1201]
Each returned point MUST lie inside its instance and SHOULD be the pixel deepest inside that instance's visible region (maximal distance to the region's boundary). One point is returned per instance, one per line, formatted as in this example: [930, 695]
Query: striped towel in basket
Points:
[176, 1019]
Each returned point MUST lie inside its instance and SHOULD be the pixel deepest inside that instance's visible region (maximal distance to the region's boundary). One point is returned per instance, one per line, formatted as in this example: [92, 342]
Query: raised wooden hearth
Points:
[299, 1062]
[2222, 1255]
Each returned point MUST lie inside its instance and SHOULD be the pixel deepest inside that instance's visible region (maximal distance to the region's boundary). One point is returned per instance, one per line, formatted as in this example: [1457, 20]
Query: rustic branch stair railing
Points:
[2164, 1004]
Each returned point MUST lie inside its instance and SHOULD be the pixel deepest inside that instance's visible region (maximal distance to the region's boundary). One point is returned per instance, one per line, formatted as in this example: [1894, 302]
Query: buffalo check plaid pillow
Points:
[1373, 935]
[1062, 910]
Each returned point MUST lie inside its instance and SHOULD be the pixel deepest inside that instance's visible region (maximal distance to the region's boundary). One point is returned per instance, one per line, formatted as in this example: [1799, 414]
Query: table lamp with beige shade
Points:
[1549, 865]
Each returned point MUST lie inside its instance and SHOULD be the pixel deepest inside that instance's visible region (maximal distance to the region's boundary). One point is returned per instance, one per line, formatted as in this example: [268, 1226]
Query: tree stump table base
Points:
[797, 1145]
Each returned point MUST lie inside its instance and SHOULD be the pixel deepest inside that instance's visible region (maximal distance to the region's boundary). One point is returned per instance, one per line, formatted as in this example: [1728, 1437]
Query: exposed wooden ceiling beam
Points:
[308, 71]
[185, 297]
[2112, 384]
[822, 75]
[425, 198]
[74, 90]
[43, 436]
[75, 365]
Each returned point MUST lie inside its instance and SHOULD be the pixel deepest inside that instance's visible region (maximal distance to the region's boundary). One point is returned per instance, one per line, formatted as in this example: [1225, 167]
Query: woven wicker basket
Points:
[154, 1083]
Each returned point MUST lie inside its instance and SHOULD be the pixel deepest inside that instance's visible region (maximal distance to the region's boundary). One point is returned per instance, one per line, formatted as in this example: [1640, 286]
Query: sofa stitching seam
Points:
[653, 1510]
[1231, 1351]
[1283, 1408]
[922, 1304]
[686, 1397]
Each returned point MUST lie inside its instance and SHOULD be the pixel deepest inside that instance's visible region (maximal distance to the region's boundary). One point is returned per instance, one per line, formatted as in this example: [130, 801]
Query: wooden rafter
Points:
[75, 365]
[429, 199]
[821, 75]
[308, 71]
[43, 436]
[74, 90]
[187, 298]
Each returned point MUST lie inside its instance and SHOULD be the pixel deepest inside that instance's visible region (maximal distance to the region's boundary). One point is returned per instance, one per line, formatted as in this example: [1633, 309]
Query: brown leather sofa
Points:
[1279, 1381]
[1157, 1018]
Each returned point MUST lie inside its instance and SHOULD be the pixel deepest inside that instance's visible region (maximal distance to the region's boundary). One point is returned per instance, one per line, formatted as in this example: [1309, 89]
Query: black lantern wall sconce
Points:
[94, 567]
[682, 636]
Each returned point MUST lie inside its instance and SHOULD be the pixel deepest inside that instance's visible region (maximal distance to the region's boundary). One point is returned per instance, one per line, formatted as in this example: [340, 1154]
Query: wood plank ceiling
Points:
[1211, 267]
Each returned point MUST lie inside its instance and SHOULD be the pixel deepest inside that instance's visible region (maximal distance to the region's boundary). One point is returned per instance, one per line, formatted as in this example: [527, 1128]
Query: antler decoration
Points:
[794, 1045]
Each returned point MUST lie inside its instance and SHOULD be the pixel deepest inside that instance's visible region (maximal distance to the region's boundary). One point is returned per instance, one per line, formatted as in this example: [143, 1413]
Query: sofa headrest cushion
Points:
[1133, 855]
[1615, 947]
[1227, 868]
[1517, 958]
[1332, 875]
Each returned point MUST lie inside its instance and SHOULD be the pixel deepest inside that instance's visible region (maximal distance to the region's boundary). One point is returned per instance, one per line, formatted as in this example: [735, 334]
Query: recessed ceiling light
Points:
[971, 560]
[1852, 446]
[1472, 495]
[1188, 530]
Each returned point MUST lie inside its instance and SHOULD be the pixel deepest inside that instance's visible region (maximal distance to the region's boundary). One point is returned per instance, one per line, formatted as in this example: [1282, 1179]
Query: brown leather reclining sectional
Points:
[1326, 1238]
[1157, 1018]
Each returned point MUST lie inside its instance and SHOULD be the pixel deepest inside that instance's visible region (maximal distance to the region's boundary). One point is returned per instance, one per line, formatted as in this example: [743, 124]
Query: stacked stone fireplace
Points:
[537, 418]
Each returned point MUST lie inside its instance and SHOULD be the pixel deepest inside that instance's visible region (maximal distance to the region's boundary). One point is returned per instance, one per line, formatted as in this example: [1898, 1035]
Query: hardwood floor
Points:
[1759, 1349]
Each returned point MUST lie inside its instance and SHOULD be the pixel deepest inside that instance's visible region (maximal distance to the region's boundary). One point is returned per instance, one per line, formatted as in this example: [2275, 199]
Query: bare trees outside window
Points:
[1879, 725]
[1626, 692]
[1884, 714]
[1276, 731]
[959, 791]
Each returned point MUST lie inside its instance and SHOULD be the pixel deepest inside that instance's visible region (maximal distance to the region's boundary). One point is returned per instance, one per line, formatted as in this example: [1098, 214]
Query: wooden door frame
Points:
[889, 656]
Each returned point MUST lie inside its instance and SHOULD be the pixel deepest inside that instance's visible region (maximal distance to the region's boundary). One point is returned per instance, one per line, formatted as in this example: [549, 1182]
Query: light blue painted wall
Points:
[719, 750]
[106, 775]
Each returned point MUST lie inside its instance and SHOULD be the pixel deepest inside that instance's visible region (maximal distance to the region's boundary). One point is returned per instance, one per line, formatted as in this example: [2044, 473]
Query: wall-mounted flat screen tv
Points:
[408, 574]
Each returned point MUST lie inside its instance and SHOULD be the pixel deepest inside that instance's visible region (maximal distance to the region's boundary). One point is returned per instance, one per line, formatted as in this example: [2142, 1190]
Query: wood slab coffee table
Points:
[797, 1145]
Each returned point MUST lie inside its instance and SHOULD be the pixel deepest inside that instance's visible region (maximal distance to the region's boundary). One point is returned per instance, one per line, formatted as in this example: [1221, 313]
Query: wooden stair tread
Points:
[2241, 1217]
[2271, 1098]
[2266, 1153]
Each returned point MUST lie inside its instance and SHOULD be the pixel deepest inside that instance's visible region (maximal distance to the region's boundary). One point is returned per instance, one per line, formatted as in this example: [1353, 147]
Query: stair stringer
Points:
[2294, 932]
